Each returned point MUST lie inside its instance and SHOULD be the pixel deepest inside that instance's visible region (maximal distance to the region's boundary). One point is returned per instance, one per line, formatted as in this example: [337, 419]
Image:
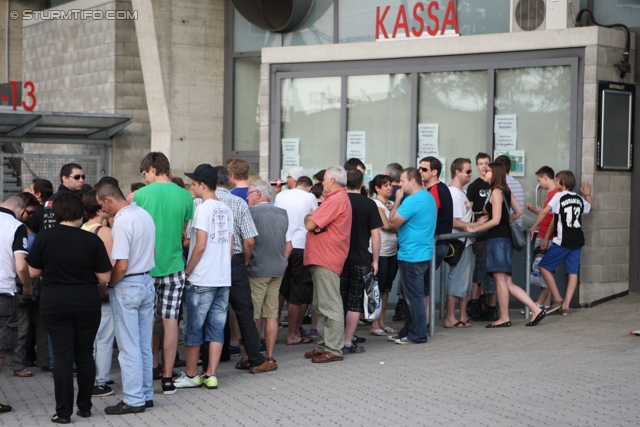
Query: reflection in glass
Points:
[249, 38]
[625, 12]
[311, 113]
[483, 16]
[457, 103]
[540, 97]
[316, 29]
[246, 98]
[380, 106]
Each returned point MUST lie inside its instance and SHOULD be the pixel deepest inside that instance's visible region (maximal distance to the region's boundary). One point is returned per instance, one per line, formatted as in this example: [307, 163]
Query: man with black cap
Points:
[208, 274]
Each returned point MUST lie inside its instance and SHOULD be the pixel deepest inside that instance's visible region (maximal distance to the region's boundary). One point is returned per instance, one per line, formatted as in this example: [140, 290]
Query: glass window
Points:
[539, 99]
[379, 113]
[483, 16]
[452, 116]
[246, 97]
[316, 29]
[249, 38]
[625, 12]
[310, 123]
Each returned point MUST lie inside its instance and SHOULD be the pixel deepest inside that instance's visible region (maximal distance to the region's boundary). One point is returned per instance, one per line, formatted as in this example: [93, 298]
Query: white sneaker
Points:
[185, 382]
[404, 341]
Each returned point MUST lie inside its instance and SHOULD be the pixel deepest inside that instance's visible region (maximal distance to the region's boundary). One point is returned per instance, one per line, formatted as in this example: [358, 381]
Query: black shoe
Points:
[398, 316]
[122, 409]
[5, 408]
[60, 420]
[101, 390]
[167, 386]
[358, 340]
[352, 349]
[83, 414]
[148, 404]
[110, 382]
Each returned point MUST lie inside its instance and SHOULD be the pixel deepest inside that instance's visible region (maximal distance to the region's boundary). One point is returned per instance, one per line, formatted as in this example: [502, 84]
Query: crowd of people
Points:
[88, 267]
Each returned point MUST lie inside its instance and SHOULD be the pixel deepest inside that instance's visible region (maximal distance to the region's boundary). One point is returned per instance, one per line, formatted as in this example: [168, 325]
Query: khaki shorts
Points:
[264, 294]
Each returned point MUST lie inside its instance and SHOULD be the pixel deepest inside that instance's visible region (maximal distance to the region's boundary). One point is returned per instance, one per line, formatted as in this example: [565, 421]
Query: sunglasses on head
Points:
[77, 177]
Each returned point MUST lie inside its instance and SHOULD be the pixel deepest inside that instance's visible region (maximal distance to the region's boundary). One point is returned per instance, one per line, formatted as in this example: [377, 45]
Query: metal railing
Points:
[443, 276]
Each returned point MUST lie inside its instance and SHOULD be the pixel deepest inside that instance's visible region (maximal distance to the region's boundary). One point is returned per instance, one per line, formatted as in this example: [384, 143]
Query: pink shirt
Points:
[330, 248]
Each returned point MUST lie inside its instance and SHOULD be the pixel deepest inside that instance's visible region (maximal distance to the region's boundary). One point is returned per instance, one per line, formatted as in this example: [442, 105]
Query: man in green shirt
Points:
[171, 207]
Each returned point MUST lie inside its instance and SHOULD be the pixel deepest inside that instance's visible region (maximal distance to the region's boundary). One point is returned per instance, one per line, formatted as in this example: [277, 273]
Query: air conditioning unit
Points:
[540, 15]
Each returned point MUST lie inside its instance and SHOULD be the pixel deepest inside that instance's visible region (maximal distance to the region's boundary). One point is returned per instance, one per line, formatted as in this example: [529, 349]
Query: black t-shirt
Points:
[444, 204]
[69, 257]
[569, 221]
[365, 217]
[34, 222]
[48, 219]
[478, 192]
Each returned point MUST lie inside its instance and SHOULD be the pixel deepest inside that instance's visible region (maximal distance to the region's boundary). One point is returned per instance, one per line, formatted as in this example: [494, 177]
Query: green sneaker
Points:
[210, 382]
[185, 382]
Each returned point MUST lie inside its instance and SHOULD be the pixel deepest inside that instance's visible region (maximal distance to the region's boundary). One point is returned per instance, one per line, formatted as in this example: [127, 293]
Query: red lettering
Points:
[31, 95]
[380, 22]
[419, 19]
[434, 18]
[401, 22]
[14, 86]
[450, 18]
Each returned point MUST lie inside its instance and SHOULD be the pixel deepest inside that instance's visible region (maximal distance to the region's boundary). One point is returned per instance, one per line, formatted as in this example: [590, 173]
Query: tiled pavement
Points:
[580, 370]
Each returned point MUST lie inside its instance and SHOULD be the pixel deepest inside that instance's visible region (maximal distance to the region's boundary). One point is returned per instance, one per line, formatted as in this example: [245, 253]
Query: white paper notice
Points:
[505, 123]
[289, 162]
[356, 145]
[428, 140]
[290, 147]
[506, 141]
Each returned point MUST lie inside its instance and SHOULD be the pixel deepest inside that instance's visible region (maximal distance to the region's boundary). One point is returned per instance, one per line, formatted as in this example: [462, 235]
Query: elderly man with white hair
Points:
[325, 251]
[269, 259]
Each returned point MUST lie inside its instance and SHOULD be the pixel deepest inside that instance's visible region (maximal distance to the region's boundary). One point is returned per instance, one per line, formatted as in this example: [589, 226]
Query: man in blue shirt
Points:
[415, 216]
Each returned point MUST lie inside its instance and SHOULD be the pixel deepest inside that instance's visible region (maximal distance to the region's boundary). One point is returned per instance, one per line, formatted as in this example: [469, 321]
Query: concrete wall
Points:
[605, 260]
[183, 66]
[91, 66]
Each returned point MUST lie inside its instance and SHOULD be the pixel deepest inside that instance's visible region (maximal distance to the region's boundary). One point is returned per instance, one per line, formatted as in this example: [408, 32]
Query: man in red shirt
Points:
[545, 176]
[325, 251]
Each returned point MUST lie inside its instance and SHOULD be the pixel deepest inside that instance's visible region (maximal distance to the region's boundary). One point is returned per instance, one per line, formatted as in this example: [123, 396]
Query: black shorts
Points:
[352, 286]
[8, 324]
[297, 283]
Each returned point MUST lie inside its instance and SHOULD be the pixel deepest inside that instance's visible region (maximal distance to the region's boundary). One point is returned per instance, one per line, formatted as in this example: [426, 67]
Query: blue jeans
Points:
[414, 277]
[132, 303]
[103, 347]
[205, 309]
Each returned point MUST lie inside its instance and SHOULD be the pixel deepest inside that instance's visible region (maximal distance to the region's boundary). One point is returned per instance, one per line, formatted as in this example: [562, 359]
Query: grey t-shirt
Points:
[134, 239]
[268, 258]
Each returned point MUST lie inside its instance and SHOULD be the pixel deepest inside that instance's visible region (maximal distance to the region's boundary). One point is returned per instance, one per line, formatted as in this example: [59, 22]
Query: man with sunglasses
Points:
[430, 169]
[72, 179]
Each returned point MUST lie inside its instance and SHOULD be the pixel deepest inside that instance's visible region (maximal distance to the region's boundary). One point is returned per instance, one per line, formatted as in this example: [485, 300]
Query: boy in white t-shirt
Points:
[460, 275]
[208, 274]
[568, 208]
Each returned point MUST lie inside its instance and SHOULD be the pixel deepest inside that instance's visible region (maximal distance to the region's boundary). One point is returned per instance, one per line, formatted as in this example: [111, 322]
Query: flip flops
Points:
[301, 341]
[390, 330]
[378, 332]
[460, 324]
[24, 373]
[506, 324]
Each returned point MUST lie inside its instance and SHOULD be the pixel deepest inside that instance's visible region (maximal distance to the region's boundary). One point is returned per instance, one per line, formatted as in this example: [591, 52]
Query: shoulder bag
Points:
[518, 240]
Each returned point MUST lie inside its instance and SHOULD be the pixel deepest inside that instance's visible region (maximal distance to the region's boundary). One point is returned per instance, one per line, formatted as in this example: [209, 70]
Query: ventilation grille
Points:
[529, 14]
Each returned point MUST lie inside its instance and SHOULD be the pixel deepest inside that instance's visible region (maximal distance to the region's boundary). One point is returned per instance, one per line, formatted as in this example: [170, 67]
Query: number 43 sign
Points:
[30, 87]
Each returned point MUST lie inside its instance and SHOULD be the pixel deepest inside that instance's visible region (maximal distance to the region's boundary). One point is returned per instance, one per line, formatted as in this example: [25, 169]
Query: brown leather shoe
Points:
[327, 357]
[243, 364]
[312, 354]
[265, 367]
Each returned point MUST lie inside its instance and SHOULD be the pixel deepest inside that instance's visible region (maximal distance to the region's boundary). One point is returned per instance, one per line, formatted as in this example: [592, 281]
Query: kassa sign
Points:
[426, 22]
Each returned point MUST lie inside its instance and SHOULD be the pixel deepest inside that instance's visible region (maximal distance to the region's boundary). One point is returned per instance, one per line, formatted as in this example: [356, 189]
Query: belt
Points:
[240, 255]
[136, 274]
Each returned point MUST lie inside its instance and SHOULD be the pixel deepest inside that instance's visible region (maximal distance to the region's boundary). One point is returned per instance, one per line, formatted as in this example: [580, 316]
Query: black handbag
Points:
[518, 240]
[456, 247]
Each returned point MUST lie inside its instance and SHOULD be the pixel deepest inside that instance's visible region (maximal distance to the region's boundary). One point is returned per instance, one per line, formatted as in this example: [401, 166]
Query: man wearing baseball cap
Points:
[294, 174]
[207, 287]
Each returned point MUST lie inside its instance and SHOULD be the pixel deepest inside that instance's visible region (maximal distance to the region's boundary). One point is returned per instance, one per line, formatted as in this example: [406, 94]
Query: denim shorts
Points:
[460, 275]
[497, 254]
[554, 256]
[205, 310]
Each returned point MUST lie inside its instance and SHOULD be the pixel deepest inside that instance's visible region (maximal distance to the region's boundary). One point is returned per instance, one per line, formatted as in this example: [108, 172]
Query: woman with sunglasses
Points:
[380, 187]
[499, 247]
[72, 263]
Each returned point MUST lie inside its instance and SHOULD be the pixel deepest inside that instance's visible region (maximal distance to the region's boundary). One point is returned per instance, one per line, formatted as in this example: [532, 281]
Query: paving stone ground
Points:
[580, 370]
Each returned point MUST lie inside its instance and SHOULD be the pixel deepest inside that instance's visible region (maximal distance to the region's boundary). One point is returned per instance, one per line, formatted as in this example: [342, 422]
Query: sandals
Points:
[538, 318]
[243, 364]
[390, 330]
[378, 332]
[23, 373]
[60, 420]
[506, 324]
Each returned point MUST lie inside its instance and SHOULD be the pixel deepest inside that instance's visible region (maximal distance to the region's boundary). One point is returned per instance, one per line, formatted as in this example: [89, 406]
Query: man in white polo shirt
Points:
[13, 262]
[132, 297]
